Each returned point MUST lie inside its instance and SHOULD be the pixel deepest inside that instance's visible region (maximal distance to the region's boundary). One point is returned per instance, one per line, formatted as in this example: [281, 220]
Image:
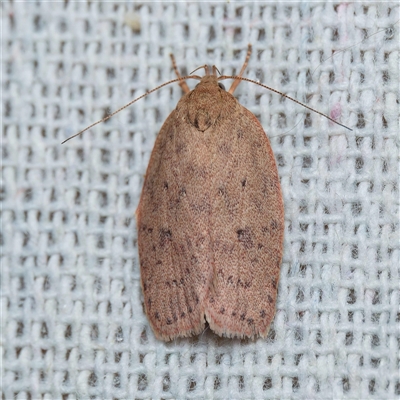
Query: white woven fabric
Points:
[73, 325]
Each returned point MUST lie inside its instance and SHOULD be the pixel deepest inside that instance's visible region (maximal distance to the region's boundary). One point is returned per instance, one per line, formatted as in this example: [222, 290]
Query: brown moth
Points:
[210, 219]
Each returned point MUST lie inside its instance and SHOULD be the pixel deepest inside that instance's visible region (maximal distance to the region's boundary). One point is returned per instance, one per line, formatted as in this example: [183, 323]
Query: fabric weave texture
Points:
[72, 321]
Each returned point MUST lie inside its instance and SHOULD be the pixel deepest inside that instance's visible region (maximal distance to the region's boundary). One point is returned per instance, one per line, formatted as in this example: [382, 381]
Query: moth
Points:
[210, 220]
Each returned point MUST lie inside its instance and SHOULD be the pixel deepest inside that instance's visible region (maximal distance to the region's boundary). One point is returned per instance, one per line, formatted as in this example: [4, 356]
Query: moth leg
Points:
[182, 83]
[246, 61]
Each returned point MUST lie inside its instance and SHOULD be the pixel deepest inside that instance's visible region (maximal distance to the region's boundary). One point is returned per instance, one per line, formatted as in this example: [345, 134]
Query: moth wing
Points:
[173, 240]
[246, 231]
[210, 229]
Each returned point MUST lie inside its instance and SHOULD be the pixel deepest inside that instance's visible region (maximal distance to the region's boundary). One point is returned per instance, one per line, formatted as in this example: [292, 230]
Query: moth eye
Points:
[221, 86]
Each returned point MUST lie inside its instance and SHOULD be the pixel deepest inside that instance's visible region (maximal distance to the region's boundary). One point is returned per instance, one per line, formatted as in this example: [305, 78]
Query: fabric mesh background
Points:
[72, 320]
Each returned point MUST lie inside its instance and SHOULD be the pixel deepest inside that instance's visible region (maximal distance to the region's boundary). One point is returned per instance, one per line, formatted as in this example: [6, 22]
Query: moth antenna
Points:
[131, 102]
[283, 95]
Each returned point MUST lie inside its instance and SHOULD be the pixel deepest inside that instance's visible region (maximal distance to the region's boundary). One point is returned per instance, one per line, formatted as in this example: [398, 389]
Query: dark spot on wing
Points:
[225, 149]
[245, 237]
[193, 260]
[165, 236]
